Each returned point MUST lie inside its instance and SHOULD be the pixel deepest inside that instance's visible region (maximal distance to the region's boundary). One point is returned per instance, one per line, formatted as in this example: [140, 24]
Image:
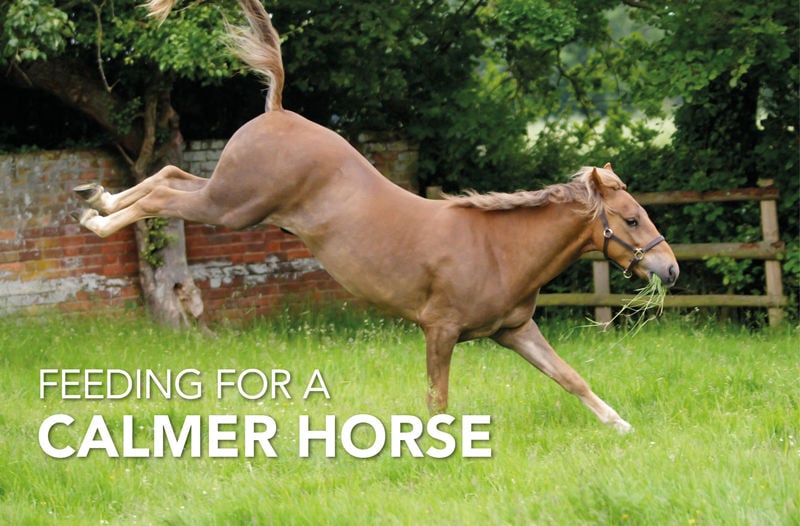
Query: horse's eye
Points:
[632, 222]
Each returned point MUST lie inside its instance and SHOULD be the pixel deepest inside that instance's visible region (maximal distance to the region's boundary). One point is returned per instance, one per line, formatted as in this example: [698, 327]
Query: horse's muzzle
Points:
[669, 276]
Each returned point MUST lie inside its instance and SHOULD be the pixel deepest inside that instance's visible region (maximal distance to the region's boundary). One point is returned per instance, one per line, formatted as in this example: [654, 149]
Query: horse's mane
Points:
[579, 189]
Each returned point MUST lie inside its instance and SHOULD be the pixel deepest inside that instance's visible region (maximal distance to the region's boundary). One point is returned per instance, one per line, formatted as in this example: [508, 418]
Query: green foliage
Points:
[347, 63]
[558, 54]
[189, 44]
[713, 40]
[157, 239]
[408, 65]
[474, 138]
[33, 30]
[125, 118]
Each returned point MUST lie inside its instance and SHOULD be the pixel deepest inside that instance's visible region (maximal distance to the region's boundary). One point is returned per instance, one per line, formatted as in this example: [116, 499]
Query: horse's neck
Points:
[558, 235]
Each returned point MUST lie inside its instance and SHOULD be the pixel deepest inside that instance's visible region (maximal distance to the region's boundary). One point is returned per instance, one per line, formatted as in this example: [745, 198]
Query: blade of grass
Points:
[637, 310]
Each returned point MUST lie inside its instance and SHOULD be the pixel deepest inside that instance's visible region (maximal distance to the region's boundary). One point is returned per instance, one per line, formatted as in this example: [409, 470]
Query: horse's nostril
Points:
[673, 274]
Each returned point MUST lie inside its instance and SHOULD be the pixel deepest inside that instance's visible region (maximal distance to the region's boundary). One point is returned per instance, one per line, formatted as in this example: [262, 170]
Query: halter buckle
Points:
[638, 254]
[608, 233]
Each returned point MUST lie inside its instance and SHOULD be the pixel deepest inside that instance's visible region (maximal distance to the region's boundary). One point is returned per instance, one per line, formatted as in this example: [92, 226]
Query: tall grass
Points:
[716, 412]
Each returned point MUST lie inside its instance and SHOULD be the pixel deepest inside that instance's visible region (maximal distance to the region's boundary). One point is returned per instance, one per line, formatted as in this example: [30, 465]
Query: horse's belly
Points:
[396, 293]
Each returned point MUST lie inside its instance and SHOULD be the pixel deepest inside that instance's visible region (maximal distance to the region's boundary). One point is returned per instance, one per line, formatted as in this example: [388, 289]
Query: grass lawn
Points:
[716, 412]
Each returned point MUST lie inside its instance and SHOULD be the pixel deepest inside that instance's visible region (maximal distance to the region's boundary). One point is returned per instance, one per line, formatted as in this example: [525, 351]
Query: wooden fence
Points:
[770, 249]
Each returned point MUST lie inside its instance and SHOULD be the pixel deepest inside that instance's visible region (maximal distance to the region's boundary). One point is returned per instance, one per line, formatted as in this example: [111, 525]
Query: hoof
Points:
[89, 192]
[622, 427]
[84, 215]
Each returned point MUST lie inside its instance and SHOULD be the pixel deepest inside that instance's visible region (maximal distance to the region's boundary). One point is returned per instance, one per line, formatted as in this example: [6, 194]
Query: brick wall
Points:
[255, 271]
[48, 262]
[46, 259]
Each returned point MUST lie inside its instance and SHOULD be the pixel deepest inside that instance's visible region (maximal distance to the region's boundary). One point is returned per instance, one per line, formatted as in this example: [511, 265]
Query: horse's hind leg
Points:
[162, 201]
[170, 176]
[531, 345]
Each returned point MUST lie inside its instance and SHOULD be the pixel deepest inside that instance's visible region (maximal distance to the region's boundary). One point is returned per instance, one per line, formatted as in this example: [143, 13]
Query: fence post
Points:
[601, 286]
[772, 268]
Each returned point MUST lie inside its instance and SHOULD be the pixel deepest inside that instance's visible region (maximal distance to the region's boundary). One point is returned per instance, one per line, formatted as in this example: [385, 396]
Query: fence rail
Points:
[770, 249]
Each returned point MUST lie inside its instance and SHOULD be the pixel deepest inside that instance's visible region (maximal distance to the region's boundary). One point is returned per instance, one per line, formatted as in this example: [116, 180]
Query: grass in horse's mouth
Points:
[647, 305]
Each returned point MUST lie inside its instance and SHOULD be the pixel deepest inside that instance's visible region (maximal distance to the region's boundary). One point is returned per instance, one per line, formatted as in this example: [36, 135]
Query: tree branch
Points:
[77, 86]
[145, 158]
[99, 43]
[584, 102]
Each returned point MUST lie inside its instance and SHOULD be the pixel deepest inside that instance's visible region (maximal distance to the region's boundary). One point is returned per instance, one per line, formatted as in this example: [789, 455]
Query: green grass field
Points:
[716, 412]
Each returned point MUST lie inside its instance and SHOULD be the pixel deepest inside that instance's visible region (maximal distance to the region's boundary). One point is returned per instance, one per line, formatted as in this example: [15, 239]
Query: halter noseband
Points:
[638, 253]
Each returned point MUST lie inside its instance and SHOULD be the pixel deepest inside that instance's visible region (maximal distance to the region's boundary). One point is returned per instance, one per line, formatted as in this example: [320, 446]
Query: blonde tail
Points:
[159, 9]
[258, 46]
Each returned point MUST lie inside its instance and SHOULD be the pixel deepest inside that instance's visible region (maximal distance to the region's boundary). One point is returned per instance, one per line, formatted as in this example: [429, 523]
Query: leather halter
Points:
[638, 253]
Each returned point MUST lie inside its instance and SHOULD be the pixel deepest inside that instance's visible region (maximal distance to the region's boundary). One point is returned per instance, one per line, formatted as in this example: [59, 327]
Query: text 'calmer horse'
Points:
[462, 268]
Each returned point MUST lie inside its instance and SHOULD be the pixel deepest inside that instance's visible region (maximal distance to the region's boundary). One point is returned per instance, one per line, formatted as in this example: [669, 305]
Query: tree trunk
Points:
[169, 291]
[170, 294]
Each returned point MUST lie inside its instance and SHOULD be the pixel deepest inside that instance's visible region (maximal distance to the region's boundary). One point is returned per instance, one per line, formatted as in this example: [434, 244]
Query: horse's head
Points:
[625, 234]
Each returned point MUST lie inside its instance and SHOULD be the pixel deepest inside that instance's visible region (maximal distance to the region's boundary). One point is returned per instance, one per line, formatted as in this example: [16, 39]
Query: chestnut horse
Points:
[461, 268]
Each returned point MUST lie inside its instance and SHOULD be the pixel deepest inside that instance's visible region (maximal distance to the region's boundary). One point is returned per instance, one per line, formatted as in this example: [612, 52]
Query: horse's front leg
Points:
[170, 176]
[531, 345]
[439, 343]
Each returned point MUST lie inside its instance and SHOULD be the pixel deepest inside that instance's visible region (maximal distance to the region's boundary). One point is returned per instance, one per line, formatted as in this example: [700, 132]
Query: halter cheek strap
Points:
[638, 253]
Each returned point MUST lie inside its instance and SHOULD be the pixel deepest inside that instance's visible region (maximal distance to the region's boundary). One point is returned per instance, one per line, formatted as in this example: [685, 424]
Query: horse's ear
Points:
[610, 182]
[597, 182]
